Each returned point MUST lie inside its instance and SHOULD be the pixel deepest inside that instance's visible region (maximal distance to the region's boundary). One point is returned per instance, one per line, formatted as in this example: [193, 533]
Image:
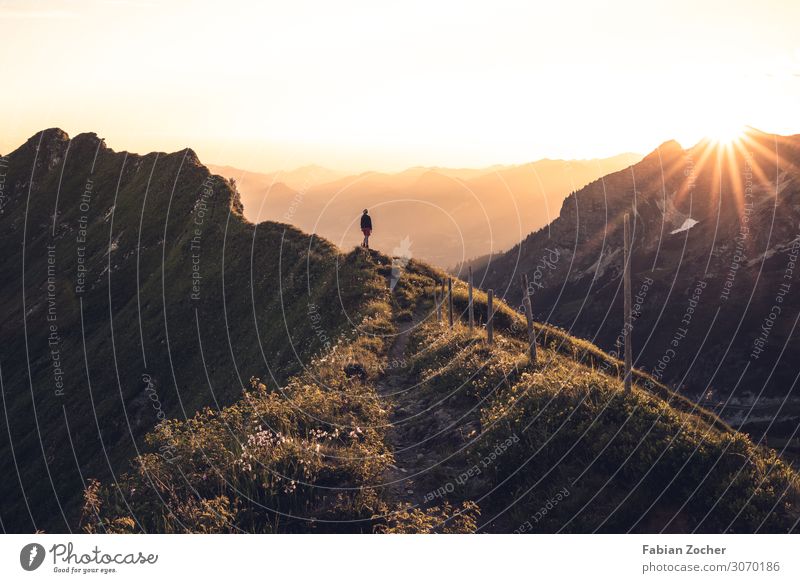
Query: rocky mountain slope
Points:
[133, 291]
[716, 235]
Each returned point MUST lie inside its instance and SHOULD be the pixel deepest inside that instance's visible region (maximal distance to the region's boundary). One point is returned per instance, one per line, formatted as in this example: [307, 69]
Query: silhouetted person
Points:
[366, 228]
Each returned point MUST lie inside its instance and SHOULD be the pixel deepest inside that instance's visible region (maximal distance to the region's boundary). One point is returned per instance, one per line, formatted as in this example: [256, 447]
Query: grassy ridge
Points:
[136, 344]
[292, 458]
[513, 447]
[626, 462]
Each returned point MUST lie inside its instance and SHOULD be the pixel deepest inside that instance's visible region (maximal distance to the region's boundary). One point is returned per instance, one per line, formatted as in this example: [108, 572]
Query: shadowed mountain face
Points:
[448, 215]
[133, 290]
[715, 279]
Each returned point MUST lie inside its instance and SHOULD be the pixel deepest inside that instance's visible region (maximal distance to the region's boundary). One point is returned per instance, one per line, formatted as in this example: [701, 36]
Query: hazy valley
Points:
[443, 215]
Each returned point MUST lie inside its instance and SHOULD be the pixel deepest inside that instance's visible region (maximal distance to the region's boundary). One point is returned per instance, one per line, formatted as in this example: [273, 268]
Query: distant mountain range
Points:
[254, 183]
[448, 214]
[716, 234]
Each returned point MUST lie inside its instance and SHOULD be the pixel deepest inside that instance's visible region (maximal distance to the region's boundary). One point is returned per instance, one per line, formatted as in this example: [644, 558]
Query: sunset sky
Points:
[377, 85]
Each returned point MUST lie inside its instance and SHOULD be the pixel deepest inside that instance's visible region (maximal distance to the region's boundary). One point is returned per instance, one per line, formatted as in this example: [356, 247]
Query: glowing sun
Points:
[725, 133]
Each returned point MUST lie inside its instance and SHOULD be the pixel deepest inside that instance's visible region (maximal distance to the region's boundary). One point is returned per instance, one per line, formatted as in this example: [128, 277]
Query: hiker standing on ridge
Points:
[366, 228]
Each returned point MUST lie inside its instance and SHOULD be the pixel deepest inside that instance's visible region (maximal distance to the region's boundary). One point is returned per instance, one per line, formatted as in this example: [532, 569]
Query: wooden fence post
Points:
[450, 299]
[526, 303]
[627, 283]
[436, 305]
[490, 317]
[470, 309]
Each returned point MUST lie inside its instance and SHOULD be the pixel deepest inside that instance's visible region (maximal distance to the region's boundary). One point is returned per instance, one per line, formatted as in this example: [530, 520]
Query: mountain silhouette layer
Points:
[448, 214]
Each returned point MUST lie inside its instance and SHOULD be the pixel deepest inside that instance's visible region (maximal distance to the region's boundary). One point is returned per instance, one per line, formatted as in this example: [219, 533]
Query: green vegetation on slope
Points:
[144, 296]
[614, 462]
[486, 441]
[282, 459]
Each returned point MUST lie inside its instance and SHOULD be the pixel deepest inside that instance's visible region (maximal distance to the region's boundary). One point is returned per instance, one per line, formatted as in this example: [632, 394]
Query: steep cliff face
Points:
[134, 290]
[715, 241]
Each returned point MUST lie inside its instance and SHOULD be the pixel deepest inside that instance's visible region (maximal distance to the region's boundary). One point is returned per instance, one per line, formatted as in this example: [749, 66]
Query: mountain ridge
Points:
[139, 261]
[696, 213]
[160, 376]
